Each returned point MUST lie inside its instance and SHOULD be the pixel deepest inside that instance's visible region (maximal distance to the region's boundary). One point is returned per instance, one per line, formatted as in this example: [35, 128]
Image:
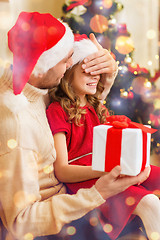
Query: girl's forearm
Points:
[74, 173]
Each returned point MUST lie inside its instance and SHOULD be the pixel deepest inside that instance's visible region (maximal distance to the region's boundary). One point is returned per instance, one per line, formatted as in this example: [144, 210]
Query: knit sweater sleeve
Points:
[21, 205]
[23, 210]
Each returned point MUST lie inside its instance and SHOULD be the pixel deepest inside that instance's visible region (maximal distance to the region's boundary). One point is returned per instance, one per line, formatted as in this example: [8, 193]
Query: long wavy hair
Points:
[70, 102]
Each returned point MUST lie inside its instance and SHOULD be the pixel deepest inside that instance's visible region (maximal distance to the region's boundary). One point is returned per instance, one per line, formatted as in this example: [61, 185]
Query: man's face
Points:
[52, 78]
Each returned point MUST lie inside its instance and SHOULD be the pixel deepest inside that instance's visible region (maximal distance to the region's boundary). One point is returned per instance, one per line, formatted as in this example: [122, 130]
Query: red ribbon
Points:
[75, 4]
[114, 140]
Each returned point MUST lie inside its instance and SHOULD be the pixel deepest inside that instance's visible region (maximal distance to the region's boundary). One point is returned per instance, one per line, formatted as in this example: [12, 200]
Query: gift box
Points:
[121, 142]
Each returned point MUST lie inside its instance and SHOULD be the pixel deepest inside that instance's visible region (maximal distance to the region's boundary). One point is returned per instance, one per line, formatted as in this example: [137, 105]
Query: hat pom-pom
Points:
[15, 103]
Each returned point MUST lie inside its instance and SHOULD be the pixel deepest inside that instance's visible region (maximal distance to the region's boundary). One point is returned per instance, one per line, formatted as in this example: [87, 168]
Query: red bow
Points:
[121, 121]
[114, 134]
[75, 4]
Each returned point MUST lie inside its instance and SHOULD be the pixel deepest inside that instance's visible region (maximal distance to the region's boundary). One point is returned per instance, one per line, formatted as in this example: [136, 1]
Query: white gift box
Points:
[131, 156]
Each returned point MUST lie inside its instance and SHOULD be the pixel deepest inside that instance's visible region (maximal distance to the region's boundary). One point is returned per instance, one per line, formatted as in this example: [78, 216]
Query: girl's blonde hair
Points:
[70, 102]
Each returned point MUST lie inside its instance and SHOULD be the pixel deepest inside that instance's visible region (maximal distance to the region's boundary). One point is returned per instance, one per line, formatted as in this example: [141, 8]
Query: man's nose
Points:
[69, 63]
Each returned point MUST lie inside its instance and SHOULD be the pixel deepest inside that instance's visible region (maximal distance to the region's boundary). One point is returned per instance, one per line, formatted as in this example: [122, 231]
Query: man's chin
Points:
[55, 84]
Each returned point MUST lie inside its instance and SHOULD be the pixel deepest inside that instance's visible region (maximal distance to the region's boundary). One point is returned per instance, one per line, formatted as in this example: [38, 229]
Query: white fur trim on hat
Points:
[54, 55]
[82, 49]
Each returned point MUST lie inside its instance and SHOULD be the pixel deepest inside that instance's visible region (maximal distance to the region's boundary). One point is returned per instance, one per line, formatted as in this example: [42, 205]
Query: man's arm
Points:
[22, 208]
[24, 211]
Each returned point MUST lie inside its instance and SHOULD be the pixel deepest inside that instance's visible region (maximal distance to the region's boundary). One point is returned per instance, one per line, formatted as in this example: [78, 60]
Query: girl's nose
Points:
[97, 77]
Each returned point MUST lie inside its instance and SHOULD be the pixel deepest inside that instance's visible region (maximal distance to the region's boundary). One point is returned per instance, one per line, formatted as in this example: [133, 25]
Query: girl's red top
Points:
[79, 138]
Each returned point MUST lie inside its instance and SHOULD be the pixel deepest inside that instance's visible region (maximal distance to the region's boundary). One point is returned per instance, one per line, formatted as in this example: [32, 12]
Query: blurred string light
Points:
[71, 230]
[151, 34]
[128, 59]
[122, 69]
[48, 169]
[93, 221]
[154, 236]
[130, 201]
[12, 143]
[107, 3]
[107, 228]
[157, 57]
[28, 236]
[124, 45]
[149, 63]
[116, 102]
[124, 94]
[99, 23]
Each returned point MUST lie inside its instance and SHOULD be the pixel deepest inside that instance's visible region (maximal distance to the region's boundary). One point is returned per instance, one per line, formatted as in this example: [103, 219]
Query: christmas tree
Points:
[134, 92]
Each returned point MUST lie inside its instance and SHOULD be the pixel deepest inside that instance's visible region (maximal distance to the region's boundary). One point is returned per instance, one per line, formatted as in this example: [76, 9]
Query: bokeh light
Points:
[19, 199]
[124, 94]
[124, 45]
[107, 3]
[99, 23]
[141, 85]
[28, 236]
[48, 169]
[151, 34]
[149, 63]
[12, 143]
[130, 201]
[71, 230]
[107, 228]
[25, 26]
[157, 57]
[155, 236]
[93, 221]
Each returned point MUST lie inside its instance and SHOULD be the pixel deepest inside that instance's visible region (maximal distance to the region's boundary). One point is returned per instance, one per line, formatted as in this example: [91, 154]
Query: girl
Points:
[75, 110]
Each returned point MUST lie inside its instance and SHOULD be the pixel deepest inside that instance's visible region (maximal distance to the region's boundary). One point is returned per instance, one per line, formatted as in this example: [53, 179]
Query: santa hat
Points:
[83, 47]
[38, 42]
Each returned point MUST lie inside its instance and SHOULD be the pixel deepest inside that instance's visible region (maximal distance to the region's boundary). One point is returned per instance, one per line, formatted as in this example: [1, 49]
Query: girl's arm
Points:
[70, 173]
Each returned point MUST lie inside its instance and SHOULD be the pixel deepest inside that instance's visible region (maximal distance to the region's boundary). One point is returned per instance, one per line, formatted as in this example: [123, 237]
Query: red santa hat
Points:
[83, 47]
[38, 42]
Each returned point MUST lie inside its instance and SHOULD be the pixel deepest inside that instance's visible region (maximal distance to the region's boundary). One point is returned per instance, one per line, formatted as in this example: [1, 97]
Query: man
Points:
[33, 202]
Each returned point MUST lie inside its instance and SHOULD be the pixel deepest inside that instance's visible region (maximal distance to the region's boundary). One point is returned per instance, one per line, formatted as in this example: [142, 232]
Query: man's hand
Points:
[111, 184]
[99, 62]
[102, 63]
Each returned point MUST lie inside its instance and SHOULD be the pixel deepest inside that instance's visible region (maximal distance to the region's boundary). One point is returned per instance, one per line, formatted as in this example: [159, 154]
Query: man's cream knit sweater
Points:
[31, 198]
